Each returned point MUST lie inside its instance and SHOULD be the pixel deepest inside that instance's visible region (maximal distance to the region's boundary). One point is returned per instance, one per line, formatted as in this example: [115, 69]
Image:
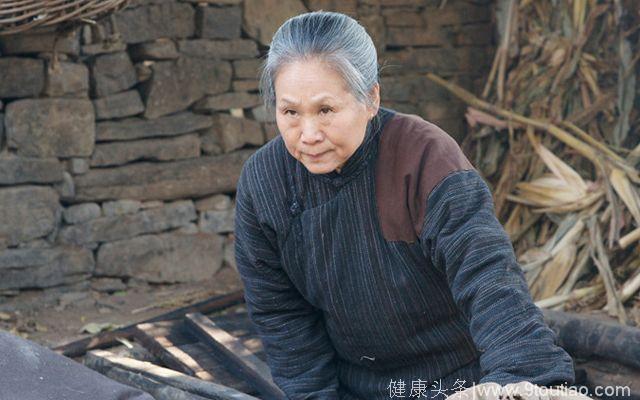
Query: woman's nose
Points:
[310, 132]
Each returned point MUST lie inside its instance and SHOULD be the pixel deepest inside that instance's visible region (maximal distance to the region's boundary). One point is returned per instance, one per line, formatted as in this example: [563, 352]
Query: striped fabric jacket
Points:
[392, 278]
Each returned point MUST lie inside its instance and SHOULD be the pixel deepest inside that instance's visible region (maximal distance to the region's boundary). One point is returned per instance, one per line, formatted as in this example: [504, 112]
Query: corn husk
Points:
[557, 108]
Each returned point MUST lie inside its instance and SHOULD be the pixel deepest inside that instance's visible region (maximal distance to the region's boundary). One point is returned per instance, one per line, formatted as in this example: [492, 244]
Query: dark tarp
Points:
[31, 372]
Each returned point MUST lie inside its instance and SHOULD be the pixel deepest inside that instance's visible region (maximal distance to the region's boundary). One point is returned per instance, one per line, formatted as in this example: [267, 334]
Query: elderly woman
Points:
[373, 263]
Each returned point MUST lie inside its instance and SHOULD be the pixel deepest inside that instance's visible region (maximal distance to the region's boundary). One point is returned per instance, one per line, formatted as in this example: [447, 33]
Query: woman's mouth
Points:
[316, 155]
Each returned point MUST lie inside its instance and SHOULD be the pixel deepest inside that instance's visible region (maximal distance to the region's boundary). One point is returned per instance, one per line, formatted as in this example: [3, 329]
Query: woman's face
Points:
[321, 122]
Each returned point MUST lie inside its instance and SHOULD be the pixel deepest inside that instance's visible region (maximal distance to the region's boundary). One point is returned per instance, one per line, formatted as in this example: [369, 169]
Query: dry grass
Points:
[558, 107]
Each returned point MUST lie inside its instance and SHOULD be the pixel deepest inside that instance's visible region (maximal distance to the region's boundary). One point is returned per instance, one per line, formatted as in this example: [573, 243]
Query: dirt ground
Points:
[55, 316]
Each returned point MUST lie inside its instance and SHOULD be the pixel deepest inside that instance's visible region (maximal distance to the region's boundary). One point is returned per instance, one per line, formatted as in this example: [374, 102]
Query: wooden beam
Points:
[171, 343]
[229, 348]
[103, 361]
[610, 375]
[585, 336]
[165, 350]
[105, 339]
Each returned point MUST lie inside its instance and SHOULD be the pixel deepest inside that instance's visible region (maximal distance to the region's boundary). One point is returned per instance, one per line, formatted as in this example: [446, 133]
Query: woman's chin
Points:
[320, 168]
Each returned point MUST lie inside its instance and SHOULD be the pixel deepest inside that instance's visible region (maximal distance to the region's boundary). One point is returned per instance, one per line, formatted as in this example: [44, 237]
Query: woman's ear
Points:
[375, 100]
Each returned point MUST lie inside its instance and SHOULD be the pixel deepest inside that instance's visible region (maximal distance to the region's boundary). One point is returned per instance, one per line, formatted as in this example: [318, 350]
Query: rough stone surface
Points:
[456, 14]
[104, 47]
[143, 71]
[229, 253]
[214, 221]
[118, 153]
[167, 181]
[1, 131]
[66, 188]
[165, 19]
[107, 285]
[349, 7]
[78, 166]
[119, 227]
[270, 130]
[411, 90]
[192, 228]
[45, 41]
[376, 28]
[218, 22]
[262, 18]
[245, 85]
[118, 105]
[120, 207]
[443, 60]
[261, 114]
[415, 36]
[27, 213]
[227, 101]
[51, 127]
[175, 85]
[210, 145]
[78, 213]
[42, 268]
[217, 2]
[402, 17]
[138, 128]
[188, 72]
[161, 49]
[232, 133]
[219, 49]
[171, 257]
[112, 73]
[67, 79]
[151, 204]
[218, 202]
[18, 170]
[246, 69]
[21, 77]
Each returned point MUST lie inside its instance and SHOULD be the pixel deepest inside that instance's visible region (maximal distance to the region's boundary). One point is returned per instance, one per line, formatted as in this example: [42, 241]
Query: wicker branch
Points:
[22, 15]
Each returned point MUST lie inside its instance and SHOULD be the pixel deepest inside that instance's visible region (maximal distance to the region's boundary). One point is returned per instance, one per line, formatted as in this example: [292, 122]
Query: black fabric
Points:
[345, 313]
[29, 371]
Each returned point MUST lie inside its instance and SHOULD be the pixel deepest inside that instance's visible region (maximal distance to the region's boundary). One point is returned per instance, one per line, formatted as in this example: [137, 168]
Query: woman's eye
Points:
[289, 112]
[325, 110]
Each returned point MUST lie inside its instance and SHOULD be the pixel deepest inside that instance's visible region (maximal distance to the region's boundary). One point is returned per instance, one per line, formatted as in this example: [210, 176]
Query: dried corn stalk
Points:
[558, 101]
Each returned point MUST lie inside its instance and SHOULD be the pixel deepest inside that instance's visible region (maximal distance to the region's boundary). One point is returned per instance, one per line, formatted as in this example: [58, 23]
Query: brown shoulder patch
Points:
[413, 157]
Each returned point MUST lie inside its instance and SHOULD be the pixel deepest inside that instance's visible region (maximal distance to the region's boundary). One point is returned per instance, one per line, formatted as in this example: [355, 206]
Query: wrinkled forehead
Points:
[309, 81]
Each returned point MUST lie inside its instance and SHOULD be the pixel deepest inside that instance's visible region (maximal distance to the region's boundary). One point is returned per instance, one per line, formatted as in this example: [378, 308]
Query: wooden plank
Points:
[166, 351]
[104, 361]
[176, 348]
[221, 374]
[239, 325]
[255, 371]
[106, 339]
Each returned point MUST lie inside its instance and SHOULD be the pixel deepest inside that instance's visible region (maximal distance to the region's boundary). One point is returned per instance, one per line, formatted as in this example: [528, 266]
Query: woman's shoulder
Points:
[414, 156]
[412, 134]
[413, 144]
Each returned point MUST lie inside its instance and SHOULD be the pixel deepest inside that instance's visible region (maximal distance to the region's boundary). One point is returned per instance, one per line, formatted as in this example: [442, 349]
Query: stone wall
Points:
[121, 149]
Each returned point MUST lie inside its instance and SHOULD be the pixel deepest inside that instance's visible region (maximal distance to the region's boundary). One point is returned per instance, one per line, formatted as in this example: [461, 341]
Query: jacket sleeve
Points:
[463, 238]
[299, 352]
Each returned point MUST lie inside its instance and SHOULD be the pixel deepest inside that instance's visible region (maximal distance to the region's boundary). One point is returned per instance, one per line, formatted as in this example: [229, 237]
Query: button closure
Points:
[295, 208]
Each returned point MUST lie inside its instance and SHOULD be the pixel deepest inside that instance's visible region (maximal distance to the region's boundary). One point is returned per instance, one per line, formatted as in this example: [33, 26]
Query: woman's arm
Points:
[298, 350]
[463, 237]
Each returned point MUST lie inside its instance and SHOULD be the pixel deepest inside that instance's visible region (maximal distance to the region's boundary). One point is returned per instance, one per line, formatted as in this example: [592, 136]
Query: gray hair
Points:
[333, 37]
